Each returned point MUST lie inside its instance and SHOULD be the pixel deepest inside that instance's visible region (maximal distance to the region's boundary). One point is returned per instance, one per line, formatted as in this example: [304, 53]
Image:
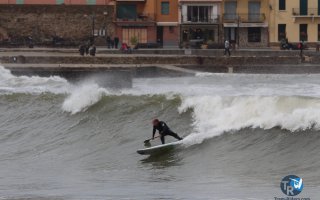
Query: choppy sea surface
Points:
[243, 134]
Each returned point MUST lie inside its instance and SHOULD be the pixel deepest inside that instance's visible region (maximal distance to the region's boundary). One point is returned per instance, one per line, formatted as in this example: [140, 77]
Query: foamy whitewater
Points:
[243, 134]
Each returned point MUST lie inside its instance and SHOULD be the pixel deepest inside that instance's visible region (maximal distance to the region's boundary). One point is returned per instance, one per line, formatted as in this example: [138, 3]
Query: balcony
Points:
[310, 12]
[244, 18]
[140, 19]
[130, 0]
[201, 20]
[143, 17]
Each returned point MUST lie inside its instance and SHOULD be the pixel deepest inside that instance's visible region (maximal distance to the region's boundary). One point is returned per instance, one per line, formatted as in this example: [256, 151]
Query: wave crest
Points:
[82, 97]
[10, 83]
[214, 115]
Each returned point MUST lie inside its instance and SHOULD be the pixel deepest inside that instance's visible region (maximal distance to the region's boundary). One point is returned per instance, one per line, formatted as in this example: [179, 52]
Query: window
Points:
[196, 33]
[128, 11]
[19, 1]
[303, 7]
[199, 13]
[91, 2]
[303, 32]
[282, 4]
[281, 31]
[59, 1]
[165, 8]
[140, 35]
[230, 8]
[254, 34]
[209, 35]
[254, 11]
[318, 32]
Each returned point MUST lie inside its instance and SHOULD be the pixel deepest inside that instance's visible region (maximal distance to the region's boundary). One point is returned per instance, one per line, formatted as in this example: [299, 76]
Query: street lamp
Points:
[238, 31]
[105, 14]
[180, 19]
[92, 17]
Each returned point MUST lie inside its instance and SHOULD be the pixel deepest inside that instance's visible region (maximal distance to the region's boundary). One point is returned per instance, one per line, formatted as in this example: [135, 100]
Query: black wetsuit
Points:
[164, 130]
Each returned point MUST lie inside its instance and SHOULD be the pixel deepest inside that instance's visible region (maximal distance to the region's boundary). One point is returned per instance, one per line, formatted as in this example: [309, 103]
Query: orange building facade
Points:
[152, 23]
[168, 29]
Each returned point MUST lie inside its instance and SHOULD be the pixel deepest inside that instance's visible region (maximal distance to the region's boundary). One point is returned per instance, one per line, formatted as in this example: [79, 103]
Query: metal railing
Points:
[244, 18]
[215, 19]
[142, 17]
[310, 12]
[130, 1]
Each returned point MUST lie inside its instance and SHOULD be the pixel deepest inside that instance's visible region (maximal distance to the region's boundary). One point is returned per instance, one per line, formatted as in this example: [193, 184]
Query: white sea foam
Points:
[80, 96]
[220, 102]
[33, 84]
[230, 102]
[83, 96]
[214, 115]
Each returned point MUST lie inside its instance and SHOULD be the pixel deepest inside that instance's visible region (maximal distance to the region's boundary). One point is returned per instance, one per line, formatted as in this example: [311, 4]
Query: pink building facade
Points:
[58, 2]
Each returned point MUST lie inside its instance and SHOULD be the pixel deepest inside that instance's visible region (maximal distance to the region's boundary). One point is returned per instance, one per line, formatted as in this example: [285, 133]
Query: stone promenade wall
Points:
[153, 60]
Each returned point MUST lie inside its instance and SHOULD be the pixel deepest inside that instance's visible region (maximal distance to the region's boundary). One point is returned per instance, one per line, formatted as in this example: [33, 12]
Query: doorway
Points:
[303, 7]
[160, 35]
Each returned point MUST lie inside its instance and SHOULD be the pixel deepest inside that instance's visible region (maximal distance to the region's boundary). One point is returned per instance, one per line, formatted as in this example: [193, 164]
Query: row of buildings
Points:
[246, 23]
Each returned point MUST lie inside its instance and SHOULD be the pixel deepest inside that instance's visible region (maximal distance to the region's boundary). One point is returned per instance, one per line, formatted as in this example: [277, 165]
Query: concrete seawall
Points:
[163, 59]
[241, 61]
[202, 52]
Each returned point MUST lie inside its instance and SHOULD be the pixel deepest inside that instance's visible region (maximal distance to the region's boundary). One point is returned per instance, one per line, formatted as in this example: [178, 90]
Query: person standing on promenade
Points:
[227, 47]
[300, 47]
[92, 50]
[30, 42]
[82, 49]
[108, 41]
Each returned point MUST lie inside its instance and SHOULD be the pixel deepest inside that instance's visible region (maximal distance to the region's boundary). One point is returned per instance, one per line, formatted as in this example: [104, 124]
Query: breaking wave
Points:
[78, 140]
[83, 96]
[214, 115]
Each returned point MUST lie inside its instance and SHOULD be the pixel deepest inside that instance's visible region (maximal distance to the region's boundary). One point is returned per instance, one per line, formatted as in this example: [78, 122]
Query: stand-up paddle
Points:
[148, 140]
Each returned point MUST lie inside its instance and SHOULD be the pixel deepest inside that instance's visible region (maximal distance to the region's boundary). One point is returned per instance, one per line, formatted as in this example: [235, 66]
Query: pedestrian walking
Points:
[227, 47]
[300, 47]
[87, 45]
[112, 43]
[30, 42]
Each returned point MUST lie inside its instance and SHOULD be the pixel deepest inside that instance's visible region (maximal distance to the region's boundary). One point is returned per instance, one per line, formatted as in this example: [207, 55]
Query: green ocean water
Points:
[243, 134]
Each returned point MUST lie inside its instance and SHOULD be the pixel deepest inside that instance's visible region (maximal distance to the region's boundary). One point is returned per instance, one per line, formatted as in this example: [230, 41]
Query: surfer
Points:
[163, 130]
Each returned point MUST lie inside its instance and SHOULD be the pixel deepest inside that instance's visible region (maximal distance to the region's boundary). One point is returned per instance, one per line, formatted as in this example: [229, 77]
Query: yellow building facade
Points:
[200, 22]
[246, 22]
[295, 20]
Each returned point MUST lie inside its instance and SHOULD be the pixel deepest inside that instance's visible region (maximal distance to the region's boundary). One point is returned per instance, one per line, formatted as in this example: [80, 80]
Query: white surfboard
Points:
[159, 148]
